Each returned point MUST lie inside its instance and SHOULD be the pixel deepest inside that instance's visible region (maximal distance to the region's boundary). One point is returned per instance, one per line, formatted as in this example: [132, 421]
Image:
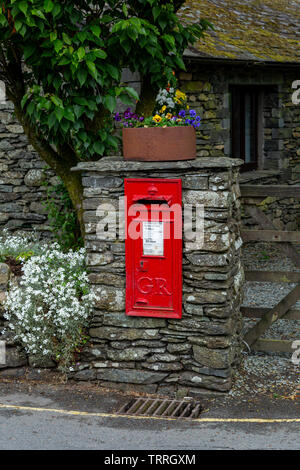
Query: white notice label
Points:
[153, 238]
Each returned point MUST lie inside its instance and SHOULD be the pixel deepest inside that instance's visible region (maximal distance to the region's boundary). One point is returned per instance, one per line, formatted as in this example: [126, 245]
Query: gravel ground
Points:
[262, 374]
[267, 257]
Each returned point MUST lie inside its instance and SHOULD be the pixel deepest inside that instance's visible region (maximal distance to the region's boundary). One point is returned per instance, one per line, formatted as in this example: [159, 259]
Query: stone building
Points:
[240, 78]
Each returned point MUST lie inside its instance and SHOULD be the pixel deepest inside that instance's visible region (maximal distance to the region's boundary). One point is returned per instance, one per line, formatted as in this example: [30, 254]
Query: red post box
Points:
[153, 228]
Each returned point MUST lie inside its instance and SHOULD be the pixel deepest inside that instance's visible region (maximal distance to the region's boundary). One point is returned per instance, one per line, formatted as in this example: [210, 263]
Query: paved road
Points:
[44, 430]
[26, 428]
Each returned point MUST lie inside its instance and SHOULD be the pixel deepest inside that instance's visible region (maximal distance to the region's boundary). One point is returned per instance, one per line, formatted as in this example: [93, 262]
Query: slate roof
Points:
[252, 30]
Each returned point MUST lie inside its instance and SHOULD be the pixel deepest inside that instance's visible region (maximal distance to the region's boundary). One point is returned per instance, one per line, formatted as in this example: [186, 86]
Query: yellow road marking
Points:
[113, 415]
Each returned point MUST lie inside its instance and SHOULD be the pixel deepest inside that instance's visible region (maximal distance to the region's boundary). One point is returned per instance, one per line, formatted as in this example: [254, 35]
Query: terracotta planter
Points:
[154, 144]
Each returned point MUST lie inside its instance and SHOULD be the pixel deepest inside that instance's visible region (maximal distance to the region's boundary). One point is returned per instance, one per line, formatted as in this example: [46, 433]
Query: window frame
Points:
[238, 124]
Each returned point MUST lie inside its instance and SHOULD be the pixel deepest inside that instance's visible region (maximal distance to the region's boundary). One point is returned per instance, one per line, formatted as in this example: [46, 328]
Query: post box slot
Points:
[152, 201]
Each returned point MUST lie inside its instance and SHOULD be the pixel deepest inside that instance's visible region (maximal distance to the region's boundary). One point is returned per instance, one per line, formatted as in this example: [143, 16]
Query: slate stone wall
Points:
[199, 351]
[22, 174]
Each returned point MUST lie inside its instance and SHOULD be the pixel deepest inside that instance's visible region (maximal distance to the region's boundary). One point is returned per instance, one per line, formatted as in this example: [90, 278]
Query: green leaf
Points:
[23, 6]
[113, 71]
[53, 36]
[156, 12]
[126, 99]
[81, 53]
[125, 10]
[179, 62]
[29, 50]
[56, 10]
[96, 30]
[30, 108]
[68, 114]
[110, 102]
[51, 120]
[112, 141]
[66, 39]
[82, 76]
[48, 6]
[65, 125]
[131, 91]
[99, 148]
[24, 99]
[57, 101]
[92, 68]
[80, 100]
[59, 113]
[58, 44]
[99, 53]
[38, 13]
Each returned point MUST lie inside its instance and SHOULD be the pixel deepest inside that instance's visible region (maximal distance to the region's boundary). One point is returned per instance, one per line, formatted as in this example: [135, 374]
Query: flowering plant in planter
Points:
[168, 135]
[160, 119]
[174, 111]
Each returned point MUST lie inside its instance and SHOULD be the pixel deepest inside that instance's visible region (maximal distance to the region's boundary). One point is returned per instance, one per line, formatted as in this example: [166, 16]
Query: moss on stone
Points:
[264, 30]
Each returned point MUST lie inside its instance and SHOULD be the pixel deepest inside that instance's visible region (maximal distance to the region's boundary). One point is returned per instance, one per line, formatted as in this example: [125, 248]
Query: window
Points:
[245, 125]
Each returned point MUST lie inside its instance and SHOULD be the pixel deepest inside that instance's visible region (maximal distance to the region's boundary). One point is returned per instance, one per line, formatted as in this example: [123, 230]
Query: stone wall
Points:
[21, 176]
[156, 354]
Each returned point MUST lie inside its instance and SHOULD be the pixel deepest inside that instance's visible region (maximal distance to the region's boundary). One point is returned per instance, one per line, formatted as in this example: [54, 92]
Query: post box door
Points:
[154, 258]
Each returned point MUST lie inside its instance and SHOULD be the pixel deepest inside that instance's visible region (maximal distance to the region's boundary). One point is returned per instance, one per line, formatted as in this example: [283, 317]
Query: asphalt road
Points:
[26, 428]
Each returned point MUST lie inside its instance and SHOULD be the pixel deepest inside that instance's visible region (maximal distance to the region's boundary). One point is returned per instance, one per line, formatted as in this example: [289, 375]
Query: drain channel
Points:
[181, 409]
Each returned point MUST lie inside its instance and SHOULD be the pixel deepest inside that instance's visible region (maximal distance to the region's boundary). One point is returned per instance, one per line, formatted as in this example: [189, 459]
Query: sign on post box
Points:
[153, 218]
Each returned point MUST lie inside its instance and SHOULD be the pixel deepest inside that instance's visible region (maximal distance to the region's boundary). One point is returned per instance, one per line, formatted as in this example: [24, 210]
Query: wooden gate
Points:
[252, 195]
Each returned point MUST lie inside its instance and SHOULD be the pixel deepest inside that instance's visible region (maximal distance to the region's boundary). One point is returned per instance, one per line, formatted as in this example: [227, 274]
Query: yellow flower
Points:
[169, 116]
[179, 96]
[156, 118]
[163, 109]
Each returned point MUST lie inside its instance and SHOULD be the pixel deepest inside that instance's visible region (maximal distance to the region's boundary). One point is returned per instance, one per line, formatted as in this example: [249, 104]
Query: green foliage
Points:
[62, 217]
[74, 51]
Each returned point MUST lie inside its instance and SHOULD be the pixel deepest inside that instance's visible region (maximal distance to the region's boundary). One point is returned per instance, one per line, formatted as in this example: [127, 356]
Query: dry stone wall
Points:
[161, 355]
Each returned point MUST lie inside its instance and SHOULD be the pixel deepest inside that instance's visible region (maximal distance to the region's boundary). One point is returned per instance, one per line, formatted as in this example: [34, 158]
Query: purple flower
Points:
[181, 113]
[188, 121]
[198, 119]
[141, 119]
[193, 113]
[118, 117]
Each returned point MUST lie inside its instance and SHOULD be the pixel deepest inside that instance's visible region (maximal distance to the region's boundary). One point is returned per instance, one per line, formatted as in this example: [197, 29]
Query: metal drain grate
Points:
[164, 408]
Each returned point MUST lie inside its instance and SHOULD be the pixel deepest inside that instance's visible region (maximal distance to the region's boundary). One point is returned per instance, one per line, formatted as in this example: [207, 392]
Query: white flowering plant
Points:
[49, 309]
[21, 245]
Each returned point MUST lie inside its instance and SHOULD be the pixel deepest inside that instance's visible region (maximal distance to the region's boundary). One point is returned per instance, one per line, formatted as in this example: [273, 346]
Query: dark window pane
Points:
[244, 124]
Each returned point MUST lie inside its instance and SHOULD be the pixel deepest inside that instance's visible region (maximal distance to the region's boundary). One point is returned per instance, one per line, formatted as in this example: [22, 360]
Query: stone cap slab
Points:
[118, 164]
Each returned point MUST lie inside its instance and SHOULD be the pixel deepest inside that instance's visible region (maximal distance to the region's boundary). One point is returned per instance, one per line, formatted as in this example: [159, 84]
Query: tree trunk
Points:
[146, 104]
[73, 183]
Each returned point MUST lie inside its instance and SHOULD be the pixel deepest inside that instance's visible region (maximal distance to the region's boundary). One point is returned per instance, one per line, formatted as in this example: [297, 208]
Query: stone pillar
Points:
[201, 350]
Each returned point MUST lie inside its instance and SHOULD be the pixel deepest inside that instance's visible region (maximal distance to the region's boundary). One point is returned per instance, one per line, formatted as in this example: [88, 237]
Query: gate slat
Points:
[270, 236]
[265, 223]
[274, 314]
[256, 312]
[272, 276]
